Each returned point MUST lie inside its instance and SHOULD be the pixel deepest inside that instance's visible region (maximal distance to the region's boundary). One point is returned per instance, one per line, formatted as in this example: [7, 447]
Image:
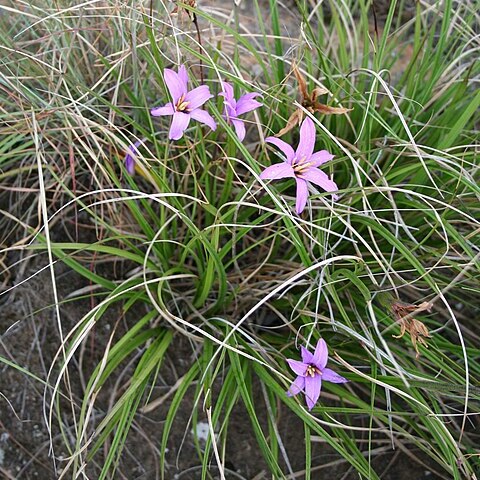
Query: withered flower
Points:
[403, 313]
[309, 102]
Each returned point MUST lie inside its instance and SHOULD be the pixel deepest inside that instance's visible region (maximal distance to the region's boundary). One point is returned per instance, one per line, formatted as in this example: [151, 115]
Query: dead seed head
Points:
[404, 315]
[309, 102]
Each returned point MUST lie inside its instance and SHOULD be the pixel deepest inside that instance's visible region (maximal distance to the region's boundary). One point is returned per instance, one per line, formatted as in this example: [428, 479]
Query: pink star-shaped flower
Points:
[311, 372]
[185, 104]
[301, 164]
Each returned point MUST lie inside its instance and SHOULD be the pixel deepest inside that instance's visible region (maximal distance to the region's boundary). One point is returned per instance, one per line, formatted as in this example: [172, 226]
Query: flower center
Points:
[181, 105]
[312, 370]
[299, 166]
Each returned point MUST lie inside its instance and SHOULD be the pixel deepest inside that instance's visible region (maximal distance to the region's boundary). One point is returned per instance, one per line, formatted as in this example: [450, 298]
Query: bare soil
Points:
[30, 338]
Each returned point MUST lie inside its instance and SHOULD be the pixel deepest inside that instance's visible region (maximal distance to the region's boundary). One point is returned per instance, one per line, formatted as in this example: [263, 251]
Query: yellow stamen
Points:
[181, 104]
[300, 166]
[312, 371]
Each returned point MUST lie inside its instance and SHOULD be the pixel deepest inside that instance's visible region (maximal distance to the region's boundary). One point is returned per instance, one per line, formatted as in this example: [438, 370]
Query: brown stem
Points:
[200, 47]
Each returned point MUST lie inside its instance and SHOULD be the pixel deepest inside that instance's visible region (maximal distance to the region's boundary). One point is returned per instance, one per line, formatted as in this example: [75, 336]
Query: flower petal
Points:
[320, 357]
[307, 140]
[176, 86]
[229, 101]
[168, 109]
[183, 76]
[204, 117]
[319, 158]
[230, 112]
[320, 178]
[130, 156]
[330, 376]
[130, 164]
[307, 357]
[179, 125]
[296, 387]
[279, 170]
[246, 103]
[239, 128]
[227, 93]
[197, 97]
[313, 386]
[283, 146]
[302, 195]
[298, 367]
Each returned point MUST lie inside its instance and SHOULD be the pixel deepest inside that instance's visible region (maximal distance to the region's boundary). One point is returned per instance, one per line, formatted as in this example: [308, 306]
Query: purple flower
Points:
[130, 156]
[311, 371]
[234, 108]
[185, 104]
[302, 164]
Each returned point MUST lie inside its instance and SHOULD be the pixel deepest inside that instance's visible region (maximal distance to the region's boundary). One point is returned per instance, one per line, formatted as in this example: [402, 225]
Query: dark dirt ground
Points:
[29, 337]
